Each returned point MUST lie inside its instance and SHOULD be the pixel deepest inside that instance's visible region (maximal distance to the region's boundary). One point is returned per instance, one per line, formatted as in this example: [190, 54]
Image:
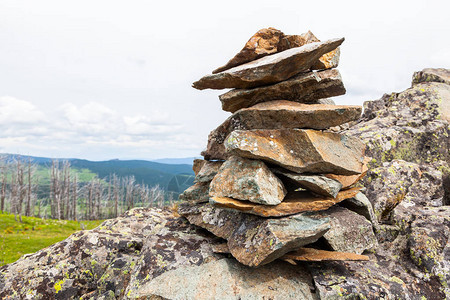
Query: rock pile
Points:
[273, 179]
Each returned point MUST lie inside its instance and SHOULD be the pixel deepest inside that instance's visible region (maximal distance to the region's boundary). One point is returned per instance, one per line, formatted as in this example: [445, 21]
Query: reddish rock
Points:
[310, 254]
[300, 150]
[277, 115]
[269, 69]
[294, 203]
[303, 88]
[197, 165]
[350, 180]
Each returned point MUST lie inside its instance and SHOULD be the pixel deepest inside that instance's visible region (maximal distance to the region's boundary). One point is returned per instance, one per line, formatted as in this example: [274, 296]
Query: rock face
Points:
[279, 114]
[199, 192]
[294, 203]
[300, 150]
[208, 171]
[247, 179]
[303, 88]
[257, 241]
[270, 69]
[431, 75]
[311, 254]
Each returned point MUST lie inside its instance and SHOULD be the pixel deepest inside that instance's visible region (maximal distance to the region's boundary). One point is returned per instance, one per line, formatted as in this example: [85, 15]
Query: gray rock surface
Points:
[362, 206]
[247, 179]
[253, 240]
[198, 192]
[431, 75]
[269, 69]
[208, 171]
[308, 87]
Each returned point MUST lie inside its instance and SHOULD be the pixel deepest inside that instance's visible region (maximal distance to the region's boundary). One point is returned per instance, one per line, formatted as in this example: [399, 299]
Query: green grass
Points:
[33, 234]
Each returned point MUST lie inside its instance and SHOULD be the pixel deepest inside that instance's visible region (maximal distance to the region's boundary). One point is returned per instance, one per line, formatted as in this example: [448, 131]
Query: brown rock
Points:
[311, 254]
[277, 115]
[294, 203]
[253, 240]
[348, 181]
[328, 60]
[300, 150]
[262, 43]
[303, 88]
[208, 171]
[247, 179]
[197, 165]
[317, 184]
[269, 69]
[292, 41]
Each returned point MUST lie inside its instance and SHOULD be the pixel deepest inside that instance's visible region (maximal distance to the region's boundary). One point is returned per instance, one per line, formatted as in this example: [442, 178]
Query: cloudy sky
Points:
[112, 79]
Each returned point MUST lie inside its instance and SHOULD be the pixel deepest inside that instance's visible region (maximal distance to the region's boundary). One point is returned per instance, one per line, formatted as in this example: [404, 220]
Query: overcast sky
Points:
[112, 79]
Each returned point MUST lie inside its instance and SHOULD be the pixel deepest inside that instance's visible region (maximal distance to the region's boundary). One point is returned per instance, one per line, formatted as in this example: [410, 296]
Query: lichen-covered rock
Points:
[269, 69]
[299, 150]
[308, 87]
[253, 240]
[197, 165]
[318, 184]
[247, 179]
[362, 206]
[349, 231]
[228, 279]
[278, 115]
[402, 185]
[198, 192]
[208, 171]
[432, 75]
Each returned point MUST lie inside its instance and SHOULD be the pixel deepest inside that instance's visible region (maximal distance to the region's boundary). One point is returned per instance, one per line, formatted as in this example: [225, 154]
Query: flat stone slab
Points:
[317, 184]
[278, 115]
[294, 203]
[311, 254]
[208, 170]
[303, 88]
[247, 179]
[253, 240]
[300, 150]
[198, 192]
[269, 69]
[350, 180]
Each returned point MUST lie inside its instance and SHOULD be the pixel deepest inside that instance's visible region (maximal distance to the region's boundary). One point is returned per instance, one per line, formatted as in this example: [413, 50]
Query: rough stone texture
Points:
[277, 115]
[320, 185]
[269, 69]
[101, 261]
[266, 41]
[361, 205]
[254, 240]
[199, 192]
[294, 203]
[292, 41]
[300, 150]
[350, 180]
[208, 171]
[247, 179]
[399, 186]
[303, 88]
[328, 60]
[227, 279]
[311, 254]
[349, 232]
[197, 165]
[431, 75]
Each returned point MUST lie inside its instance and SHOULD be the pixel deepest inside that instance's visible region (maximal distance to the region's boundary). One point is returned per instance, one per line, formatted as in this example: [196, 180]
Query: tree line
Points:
[64, 196]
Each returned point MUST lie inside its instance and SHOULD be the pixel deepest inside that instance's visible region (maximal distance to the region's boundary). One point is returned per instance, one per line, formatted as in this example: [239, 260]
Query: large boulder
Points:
[269, 69]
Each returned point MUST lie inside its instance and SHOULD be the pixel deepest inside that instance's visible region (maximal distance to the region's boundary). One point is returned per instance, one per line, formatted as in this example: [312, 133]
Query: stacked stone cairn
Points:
[275, 182]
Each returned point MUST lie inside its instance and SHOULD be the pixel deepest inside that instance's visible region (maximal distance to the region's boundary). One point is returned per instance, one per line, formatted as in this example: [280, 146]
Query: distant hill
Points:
[170, 176]
[176, 161]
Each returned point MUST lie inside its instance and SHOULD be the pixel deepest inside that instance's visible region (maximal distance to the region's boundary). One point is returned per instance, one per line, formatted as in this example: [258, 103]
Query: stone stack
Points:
[274, 182]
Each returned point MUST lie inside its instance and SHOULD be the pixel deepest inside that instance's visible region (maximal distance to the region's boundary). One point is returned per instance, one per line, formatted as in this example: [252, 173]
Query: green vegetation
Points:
[33, 234]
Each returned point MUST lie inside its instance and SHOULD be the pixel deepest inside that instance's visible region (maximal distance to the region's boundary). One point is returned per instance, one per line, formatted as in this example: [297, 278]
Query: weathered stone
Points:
[400, 185]
[349, 232]
[247, 179]
[292, 41]
[269, 69]
[300, 150]
[311, 254]
[253, 240]
[199, 192]
[227, 279]
[303, 88]
[294, 203]
[197, 165]
[361, 205]
[318, 184]
[277, 115]
[208, 171]
[266, 41]
[328, 60]
[350, 180]
[431, 75]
